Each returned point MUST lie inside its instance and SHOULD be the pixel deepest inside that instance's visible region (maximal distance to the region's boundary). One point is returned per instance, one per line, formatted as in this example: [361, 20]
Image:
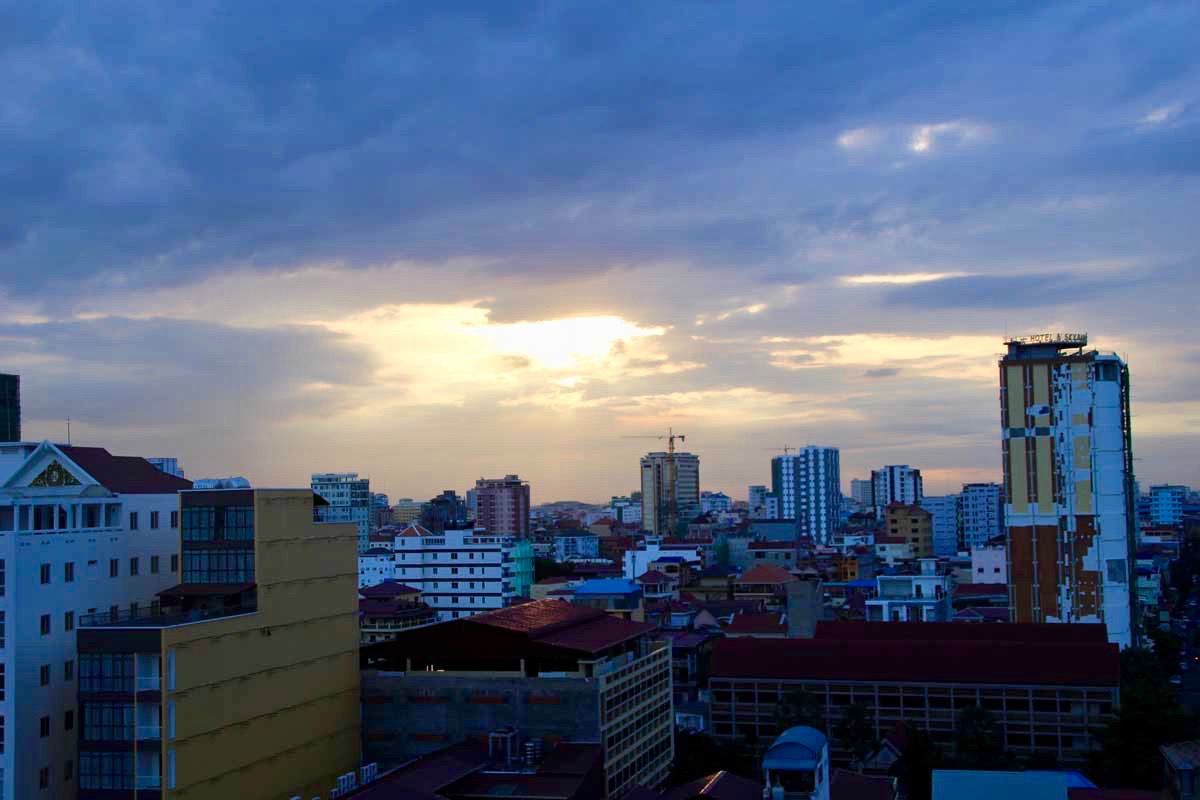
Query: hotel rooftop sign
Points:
[1055, 339]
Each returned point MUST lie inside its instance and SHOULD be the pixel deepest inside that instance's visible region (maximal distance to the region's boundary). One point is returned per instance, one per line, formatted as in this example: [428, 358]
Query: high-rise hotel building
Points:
[1068, 482]
[808, 485]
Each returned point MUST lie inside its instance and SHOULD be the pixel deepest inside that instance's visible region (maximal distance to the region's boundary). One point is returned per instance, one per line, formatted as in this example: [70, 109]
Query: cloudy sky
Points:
[433, 241]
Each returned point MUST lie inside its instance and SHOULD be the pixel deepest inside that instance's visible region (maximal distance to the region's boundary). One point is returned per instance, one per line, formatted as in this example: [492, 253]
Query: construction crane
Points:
[786, 449]
[672, 502]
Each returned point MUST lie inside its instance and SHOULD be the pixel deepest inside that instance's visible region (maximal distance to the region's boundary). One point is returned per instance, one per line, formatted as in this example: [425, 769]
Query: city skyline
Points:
[271, 254]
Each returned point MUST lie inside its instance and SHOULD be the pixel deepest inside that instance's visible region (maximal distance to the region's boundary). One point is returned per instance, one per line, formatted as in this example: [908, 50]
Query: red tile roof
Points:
[1050, 633]
[765, 573]
[719, 786]
[948, 660]
[560, 624]
[415, 529]
[756, 623]
[124, 474]
[653, 576]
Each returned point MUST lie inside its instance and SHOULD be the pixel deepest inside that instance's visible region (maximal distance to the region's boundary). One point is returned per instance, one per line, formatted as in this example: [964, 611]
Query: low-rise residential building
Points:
[989, 563]
[390, 607]
[657, 585]
[545, 668]
[576, 544]
[375, 565]
[913, 524]
[766, 583]
[924, 597]
[244, 681]
[715, 502]
[620, 597]
[1051, 688]
[893, 549]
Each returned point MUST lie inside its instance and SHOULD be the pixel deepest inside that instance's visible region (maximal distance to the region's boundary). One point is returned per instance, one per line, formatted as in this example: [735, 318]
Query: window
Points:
[1, 681]
[108, 722]
[44, 726]
[2, 575]
[45, 578]
[114, 567]
[44, 675]
[68, 770]
[199, 524]
[44, 778]
[133, 520]
[1, 630]
[133, 566]
[153, 565]
[106, 770]
[218, 566]
[69, 670]
[69, 720]
[174, 519]
[45, 624]
[105, 672]
[1116, 569]
[174, 562]
[153, 520]
[69, 621]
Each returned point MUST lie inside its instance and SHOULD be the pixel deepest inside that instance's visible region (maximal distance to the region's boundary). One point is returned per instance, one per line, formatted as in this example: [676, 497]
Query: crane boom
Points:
[672, 501]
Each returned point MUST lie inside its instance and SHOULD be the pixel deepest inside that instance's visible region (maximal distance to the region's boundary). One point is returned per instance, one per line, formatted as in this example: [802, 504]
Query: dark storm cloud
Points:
[157, 140]
[116, 372]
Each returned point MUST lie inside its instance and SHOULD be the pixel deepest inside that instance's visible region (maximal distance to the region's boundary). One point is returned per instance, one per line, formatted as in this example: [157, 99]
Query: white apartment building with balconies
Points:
[81, 532]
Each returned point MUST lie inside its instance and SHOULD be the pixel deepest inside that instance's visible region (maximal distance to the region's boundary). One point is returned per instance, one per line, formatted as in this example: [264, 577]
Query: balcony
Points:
[148, 782]
[157, 617]
[149, 732]
[148, 683]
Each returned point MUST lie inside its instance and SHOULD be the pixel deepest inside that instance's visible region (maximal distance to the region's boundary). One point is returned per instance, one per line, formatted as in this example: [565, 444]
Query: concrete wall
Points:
[407, 716]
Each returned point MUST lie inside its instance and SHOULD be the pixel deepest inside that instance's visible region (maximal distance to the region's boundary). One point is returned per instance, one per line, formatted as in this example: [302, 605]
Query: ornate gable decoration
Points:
[55, 475]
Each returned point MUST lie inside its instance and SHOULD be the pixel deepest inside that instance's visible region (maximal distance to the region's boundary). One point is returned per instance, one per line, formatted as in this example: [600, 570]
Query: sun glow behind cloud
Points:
[900, 278]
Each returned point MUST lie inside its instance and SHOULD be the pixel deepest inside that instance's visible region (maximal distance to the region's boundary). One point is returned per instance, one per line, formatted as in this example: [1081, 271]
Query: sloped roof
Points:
[756, 623]
[124, 474]
[607, 586]
[799, 744]
[718, 786]
[765, 573]
[415, 529]
[560, 624]
[653, 576]
[388, 589]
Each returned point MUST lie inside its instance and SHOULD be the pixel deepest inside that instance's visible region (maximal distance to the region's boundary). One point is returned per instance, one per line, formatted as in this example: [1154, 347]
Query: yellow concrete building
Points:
[244, 681]
[913, 524]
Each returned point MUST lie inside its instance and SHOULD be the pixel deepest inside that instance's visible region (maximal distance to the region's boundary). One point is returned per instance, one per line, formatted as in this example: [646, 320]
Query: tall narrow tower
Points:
[1068, 482]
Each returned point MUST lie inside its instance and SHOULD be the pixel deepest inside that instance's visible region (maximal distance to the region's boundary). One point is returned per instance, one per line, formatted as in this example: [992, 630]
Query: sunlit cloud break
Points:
[901, 278]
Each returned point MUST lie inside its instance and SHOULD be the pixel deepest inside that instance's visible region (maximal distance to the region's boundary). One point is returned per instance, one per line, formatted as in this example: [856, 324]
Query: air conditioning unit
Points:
[335, 793]
[368, 772]
[347, 782]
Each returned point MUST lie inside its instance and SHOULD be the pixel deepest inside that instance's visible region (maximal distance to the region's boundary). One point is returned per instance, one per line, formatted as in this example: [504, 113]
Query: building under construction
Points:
[1068, 484]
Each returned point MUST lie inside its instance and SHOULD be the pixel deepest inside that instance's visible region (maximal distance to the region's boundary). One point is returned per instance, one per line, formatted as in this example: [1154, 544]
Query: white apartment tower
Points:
[659, 503]
[349, 498]
[81, 532]
[459, 573]
[1166, 504]
[1068, 484]
[982, 513]
[808, 485]
[897, 483]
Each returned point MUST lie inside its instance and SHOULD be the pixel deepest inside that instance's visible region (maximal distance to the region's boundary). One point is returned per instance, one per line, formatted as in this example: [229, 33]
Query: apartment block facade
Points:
[982, 513]
[349, 500]
[464, 572]
[808, 485]
[243, 680]
[896, 483]
[1166, 504]
[502, 506]
[548, 669]
[946, 512]
[1068, 484]
[1051, 692]
[81, 532]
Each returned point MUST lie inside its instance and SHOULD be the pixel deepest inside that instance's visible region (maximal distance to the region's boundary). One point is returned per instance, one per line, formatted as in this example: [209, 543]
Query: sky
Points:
[435, 241]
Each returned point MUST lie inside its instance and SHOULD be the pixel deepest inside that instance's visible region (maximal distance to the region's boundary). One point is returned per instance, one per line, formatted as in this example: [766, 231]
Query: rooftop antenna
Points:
[68, 431]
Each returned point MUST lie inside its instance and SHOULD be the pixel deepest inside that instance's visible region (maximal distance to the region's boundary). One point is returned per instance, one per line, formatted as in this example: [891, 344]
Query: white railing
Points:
[149, 731]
